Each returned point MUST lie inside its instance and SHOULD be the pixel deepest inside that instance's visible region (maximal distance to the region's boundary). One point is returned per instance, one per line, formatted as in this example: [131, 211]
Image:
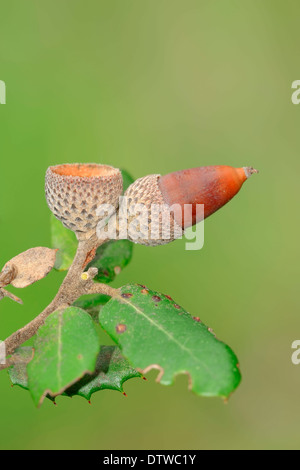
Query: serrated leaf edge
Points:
[160, 368]
[85, 372]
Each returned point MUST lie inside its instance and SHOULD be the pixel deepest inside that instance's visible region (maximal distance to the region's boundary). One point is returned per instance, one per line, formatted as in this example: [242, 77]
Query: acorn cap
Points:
[75, 191]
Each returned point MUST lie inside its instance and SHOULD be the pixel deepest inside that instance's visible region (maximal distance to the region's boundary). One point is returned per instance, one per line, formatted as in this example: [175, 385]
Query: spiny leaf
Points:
[112, 370]
[65, 241]
[66, 348]
[111, 258]
[155, 332]
[29, 267]
[18, 372]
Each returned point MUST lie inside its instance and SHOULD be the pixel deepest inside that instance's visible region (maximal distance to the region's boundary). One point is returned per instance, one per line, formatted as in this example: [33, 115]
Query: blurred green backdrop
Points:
[155, 86]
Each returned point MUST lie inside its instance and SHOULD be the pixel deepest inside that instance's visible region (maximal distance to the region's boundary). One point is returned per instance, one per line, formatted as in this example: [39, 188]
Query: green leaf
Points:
[111, 258]
[112, 370]
[127, 179]
[92, 303]
[18, 372]
[154, 332]
[66, 349]
[66, 242]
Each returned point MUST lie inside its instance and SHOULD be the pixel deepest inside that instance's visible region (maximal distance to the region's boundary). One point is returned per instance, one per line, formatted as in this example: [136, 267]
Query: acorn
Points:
[75, 191]
[212, 186]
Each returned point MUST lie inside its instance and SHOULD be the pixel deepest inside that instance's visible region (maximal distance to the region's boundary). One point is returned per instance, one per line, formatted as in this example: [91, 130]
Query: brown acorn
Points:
[212, 186]
[75, 191]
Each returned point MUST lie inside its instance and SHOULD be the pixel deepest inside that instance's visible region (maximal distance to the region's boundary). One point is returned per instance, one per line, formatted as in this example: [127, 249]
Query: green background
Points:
[157, 86]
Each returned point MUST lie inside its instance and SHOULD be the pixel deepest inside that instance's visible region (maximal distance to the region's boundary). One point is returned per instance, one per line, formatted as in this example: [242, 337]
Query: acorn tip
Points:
[249, 170]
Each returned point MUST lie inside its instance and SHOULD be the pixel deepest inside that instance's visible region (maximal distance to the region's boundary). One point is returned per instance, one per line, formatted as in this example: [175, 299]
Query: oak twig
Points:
[76, 283]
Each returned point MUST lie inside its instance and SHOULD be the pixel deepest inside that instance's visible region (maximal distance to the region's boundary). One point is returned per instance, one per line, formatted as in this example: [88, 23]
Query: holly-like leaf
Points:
[66, 349]
[111, 258]
[112, 370]
[29, 267]
[92, 303]
[127, 179]
[18, 372]
[65, 241]
[155, 332]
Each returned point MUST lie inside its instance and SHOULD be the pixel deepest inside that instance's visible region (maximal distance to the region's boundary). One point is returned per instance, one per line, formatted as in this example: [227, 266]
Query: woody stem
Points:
[74, 286]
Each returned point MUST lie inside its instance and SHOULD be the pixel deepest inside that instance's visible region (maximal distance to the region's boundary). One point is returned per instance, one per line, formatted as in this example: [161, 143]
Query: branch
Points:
[5, 293]
[103, 289]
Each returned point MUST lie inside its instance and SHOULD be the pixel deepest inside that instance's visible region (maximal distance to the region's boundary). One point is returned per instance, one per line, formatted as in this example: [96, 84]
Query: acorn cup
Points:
[75, 191]
[155, 226]
[178, 195]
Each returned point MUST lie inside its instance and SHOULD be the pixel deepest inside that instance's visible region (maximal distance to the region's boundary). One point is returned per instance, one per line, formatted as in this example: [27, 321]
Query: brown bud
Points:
[75, 191]
[8, 273]
[212, 186]
[29, 267]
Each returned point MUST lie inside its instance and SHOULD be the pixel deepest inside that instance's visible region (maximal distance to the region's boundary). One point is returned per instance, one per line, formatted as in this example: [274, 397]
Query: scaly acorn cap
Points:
[150, 228]
[212, 186]
[75, 191]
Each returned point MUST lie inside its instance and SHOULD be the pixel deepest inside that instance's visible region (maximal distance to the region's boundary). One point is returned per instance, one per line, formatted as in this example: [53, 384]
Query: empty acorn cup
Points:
[74, 192]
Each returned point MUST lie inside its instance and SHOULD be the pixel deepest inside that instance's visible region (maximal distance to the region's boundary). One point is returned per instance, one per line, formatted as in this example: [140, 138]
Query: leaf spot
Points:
[117, 270]
[197, 319]
[168, 297]
[121, 328]
[126, 295]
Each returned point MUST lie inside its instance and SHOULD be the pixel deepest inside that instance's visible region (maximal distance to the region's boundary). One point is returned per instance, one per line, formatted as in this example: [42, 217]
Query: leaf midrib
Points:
[140, 312]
